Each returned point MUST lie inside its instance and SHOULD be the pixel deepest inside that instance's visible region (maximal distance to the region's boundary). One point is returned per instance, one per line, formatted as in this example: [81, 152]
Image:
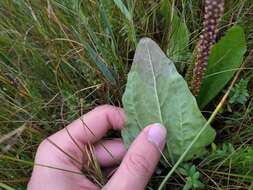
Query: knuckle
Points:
[138, 164]
[108, 108]
[114, 115]
[42, 149]
[104, 107]
[43, 145]
[48, 152]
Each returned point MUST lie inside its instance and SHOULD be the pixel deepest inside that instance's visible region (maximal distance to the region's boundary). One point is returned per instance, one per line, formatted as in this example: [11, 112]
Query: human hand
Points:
[65, 150]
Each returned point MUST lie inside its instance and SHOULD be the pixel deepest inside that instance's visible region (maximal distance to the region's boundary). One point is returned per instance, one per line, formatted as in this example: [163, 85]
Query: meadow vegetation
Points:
[61, 58]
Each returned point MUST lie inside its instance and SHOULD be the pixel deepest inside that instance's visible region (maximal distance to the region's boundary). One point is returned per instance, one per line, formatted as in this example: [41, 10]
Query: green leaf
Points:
[100, 64]
[178, 43]
[225, 58]
[130, 24]
[165, 9]
[188, 184]
[178, 47]
[156, 93]
[239, 93]
[123, 9]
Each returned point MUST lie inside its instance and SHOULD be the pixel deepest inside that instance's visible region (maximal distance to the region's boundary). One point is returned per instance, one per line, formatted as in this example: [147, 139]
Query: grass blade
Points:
[123, 9]
[130, 23]
[100, 64]
[5, 187]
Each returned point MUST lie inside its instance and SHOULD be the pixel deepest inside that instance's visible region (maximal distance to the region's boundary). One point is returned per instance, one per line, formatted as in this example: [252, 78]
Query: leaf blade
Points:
[123, 9]
[179, 40]
[100, 65]
[153, 83]
[225, 58]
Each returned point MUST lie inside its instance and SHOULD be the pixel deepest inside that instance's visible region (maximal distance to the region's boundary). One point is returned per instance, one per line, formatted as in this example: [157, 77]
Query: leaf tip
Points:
[146, 40]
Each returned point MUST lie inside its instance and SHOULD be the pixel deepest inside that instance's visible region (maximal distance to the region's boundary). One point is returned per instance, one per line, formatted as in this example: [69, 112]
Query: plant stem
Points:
[7, 187]
[30, 163]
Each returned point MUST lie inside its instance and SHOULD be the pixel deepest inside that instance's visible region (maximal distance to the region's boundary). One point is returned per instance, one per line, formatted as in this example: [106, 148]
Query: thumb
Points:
[140, 161]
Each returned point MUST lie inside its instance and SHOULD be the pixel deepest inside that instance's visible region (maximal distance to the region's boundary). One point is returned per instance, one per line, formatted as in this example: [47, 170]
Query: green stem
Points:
[3, 157]
[7, 187]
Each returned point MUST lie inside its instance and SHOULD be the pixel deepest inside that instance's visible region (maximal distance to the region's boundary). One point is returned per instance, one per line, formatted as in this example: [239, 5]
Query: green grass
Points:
[61, 58]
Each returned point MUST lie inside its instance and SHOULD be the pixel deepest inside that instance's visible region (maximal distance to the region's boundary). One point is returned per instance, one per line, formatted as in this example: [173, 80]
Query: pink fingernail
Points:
[157, 135]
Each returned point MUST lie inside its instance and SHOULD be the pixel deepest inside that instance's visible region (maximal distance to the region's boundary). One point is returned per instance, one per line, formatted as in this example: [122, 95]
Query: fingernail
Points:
[157, 135]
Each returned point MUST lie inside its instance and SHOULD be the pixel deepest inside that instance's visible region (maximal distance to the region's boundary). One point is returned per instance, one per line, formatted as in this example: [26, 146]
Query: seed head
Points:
[213, 12]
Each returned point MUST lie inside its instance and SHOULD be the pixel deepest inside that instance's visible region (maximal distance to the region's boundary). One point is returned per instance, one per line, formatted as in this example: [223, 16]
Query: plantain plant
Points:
[156, 92]
[213, 11]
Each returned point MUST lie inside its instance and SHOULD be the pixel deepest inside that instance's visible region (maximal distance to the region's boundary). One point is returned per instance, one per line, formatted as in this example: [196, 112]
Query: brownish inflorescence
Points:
[213, 11]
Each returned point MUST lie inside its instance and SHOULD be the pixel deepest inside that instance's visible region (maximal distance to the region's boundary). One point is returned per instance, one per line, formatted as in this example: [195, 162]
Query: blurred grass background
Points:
[61, 58]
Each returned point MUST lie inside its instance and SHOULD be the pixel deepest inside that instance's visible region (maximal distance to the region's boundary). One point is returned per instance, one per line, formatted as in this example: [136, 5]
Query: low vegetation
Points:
[61, 58]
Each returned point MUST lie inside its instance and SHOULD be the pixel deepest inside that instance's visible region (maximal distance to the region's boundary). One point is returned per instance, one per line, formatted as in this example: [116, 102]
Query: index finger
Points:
[92, 126]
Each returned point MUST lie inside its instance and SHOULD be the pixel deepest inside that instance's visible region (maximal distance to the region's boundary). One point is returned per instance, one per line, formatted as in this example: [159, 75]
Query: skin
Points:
[137, 164]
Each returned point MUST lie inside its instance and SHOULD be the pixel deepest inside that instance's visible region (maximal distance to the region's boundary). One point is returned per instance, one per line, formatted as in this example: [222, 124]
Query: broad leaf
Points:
[156, 93]
[225, 58]
[178, 42]
[178, 47]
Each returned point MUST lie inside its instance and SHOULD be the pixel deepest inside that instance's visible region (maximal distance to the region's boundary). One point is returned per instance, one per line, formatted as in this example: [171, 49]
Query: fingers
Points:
[97, 123]
[53, 179]
[140, 161]
[69, 143]
[109, 152]
[65, 149]
[91, 127]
